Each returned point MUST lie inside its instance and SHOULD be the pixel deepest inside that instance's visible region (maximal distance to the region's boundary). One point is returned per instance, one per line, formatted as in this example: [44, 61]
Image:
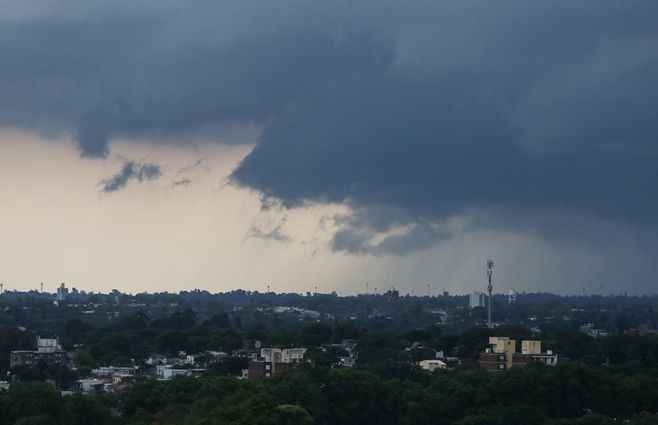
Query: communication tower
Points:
[490, 265]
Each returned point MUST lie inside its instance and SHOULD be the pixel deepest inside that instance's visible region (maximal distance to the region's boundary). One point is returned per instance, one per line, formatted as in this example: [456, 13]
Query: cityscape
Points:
[303, 212]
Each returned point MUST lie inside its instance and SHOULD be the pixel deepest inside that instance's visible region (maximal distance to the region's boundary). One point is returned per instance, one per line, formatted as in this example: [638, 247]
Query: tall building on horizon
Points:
[477, 299]
[62, 292]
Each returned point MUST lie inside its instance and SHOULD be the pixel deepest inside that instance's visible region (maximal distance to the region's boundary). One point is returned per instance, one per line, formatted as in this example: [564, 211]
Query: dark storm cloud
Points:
[535, 108]
[131, 170]
[423, 109]
[359, 240]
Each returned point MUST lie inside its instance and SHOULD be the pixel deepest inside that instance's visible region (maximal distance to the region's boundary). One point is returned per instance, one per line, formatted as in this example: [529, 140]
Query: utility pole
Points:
[490, 265]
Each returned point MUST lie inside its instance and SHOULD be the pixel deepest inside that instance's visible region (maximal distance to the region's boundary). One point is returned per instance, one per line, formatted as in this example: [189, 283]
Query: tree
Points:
[289, 414]
[82, 410]
[473, 341]
[314, 335]
[83, 358]
[31, 399]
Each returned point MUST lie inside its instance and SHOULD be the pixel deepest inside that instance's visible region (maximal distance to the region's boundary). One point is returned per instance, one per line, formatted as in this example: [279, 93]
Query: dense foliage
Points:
[606, 380]
[384, 393]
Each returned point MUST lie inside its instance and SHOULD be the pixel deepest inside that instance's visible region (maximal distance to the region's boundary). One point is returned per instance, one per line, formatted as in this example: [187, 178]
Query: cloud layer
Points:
[412, 114]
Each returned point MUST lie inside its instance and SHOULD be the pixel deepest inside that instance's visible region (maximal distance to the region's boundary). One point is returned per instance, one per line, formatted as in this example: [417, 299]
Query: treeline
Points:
[380, 393]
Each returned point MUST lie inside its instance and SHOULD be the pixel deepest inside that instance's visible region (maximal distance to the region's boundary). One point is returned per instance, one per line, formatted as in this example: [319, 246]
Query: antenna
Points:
[1, 288]
[41, 287]
[366, 288]
[490, 265]
[316, 290]
[428, 290]
[268, 289]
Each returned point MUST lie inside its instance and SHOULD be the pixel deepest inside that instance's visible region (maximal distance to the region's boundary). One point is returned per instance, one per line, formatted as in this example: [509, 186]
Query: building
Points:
[48, 350]
[502, 355]
[392, 295]
[432, 365]
[112, 371]
[250, 345]
[287, 355]
[511, 297]
[62, 292]
[170, 372]
[347, 361]
[275, 360]
[271, 355]
[293, 355]
[593, 332]
[477, 299]
[90, 386]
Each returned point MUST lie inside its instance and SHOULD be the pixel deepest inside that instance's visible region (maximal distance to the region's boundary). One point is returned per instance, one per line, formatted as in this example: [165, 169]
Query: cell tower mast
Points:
[490, 265]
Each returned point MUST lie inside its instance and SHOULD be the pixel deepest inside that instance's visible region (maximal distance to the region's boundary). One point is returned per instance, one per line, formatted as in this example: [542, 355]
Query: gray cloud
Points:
[131, 170]
[187, 168]
[276, 234]
[356, 240]
[415, 112]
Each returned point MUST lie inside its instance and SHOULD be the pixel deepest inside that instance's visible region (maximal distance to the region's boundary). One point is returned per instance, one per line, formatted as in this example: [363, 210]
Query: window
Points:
[501, 366]
[268, 367]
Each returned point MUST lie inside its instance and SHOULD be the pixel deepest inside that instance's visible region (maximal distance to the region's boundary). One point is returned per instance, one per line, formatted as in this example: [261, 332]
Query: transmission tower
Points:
[490, 265]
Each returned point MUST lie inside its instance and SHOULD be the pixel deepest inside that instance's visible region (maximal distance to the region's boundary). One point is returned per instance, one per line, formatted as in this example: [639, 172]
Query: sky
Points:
[156, 145]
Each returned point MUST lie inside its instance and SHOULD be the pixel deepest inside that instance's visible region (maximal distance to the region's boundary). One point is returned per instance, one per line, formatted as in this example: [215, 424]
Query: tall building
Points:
[511, 297]
[477, 299]
[62, 292]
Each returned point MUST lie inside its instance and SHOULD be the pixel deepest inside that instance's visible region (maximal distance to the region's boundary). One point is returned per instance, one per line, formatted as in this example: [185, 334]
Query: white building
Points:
[293, 355]
[432, 364]
[48, 345]
[169, 372]
[271, 354]
[114, 371]
[511, 297]
[477, 299]
[287, 355]
[62, 292]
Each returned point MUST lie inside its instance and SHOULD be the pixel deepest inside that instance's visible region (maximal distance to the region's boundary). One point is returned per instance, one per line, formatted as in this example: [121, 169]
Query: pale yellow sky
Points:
[56, 226]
